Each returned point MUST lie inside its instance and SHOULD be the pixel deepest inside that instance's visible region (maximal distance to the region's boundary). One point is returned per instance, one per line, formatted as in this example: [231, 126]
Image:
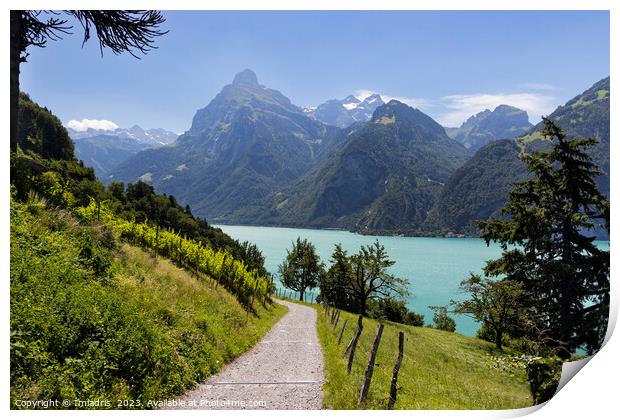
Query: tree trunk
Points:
[16, 28]
[301, 294]
[363, 305]
[498, 339]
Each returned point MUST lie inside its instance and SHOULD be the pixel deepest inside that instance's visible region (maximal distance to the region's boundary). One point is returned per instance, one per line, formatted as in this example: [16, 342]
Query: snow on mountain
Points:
[345, 112]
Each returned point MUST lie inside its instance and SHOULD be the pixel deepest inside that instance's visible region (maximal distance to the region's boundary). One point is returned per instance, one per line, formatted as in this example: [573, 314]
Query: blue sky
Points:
[448, 64]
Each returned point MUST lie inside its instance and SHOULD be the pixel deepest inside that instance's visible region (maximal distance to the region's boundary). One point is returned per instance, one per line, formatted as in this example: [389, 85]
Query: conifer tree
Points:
[547, 241]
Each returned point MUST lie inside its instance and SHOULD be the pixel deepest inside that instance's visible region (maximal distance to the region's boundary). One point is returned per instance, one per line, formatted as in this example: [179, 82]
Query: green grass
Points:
[536, 135]
[93, 318]
[440, 370]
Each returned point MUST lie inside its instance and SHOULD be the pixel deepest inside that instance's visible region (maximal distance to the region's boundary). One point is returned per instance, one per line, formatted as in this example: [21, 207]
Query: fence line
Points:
[371, 364]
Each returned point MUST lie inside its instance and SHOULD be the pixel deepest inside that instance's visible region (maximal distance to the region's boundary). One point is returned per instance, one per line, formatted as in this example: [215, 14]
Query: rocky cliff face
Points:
[504, 122]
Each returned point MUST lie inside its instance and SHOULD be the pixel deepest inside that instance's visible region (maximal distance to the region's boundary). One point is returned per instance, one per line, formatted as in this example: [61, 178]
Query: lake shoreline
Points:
[386, 233]
[434, 266]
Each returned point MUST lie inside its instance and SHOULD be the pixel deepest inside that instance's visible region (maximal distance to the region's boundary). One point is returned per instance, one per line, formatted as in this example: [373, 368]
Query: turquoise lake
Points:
[433, 266]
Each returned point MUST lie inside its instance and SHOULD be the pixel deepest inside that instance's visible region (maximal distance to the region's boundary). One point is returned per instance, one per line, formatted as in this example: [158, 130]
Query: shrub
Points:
[544, 376]
[412, 318]
[442, 320]
[389, 309]
[394, 310]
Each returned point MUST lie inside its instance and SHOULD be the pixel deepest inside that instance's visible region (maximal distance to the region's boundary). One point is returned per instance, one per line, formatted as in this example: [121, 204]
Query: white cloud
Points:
[414, 102]
[85, 124]
[461, 107]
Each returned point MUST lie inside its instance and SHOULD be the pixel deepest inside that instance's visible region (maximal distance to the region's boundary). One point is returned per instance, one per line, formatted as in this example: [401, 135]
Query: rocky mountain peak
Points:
[246, 77]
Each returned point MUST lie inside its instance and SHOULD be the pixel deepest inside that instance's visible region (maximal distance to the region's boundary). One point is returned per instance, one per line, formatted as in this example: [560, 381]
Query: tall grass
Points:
[233, 274]
[440, 370]
[96, 319]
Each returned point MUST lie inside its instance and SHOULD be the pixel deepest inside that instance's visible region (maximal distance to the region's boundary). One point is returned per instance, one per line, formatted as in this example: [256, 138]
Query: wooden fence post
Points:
[348, 347]
[393, 388]
[353, 344]
[336, 320]
[371, 364]
[342, 330]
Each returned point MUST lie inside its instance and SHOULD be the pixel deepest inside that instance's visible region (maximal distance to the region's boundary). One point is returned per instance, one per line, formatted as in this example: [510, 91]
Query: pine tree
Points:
[548, 242]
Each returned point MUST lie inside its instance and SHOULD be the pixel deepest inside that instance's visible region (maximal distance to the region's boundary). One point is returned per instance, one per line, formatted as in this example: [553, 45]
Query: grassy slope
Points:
[440, 370]
[144, 329]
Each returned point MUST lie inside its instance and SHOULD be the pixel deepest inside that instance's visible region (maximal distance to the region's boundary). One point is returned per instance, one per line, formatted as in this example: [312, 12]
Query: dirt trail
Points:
[283, 371]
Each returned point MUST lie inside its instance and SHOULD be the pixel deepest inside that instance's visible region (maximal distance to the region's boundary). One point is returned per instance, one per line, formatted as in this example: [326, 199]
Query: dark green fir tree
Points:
[548, 243]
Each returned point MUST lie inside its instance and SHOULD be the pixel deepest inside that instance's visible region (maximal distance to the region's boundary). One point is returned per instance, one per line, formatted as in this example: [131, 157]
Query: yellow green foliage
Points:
[232, 274]
[96, 319]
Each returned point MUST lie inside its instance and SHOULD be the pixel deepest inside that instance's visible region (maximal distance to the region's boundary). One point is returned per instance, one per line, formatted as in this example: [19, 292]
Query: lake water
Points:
[433, 266]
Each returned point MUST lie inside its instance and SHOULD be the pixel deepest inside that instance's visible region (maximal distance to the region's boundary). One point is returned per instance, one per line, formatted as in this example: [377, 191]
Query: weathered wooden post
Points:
[342, 330]
[336, 320]
[393, 388]
[371, 364]
[353, 344]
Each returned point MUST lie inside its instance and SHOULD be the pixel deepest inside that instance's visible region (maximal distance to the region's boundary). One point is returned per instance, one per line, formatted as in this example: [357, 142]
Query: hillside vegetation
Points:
[93, 318]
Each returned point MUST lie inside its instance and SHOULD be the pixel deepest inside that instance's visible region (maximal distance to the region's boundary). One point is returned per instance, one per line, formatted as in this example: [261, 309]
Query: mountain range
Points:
[151, 137]
[248, 142]
[385, 176]
[504, 122]
[478, 189]
[105, 149]
[343, 113]
[253, 157]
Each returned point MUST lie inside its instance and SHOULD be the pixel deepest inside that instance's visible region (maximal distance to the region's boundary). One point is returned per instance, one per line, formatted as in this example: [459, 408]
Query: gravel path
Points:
[283, 371]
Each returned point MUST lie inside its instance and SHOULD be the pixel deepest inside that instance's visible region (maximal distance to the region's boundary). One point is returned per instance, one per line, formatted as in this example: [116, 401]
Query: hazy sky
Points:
[449, 64]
